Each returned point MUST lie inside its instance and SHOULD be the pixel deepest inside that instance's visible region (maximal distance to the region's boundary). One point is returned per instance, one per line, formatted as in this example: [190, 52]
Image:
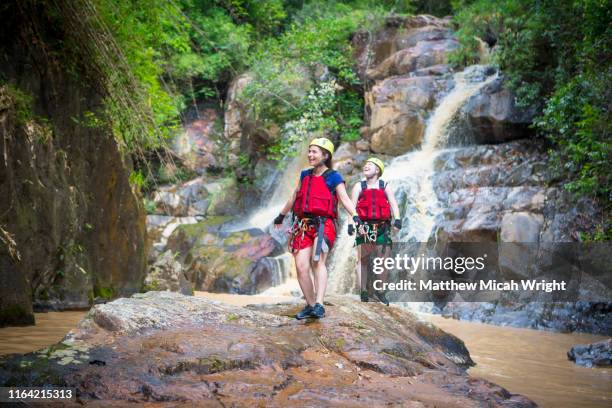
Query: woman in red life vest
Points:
[315, 208]
[375, 203]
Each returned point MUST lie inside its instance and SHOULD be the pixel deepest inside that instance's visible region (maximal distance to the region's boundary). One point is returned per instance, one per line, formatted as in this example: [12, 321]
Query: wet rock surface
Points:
[479, 186]
[66, 197]
[200, 196]
[165, 348]
[592, 355]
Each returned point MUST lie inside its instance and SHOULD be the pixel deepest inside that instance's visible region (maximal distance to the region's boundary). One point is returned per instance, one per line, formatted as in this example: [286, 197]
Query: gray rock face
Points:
[592, 355]
[493, 117]
[500, 194]
[503, 193]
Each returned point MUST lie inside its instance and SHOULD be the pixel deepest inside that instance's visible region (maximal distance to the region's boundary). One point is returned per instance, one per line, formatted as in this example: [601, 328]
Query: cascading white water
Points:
[283, 268]
[410, 175]
[285, 185]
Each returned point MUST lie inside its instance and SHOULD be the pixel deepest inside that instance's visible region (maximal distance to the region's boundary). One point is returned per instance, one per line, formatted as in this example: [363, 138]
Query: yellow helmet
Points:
[323, 143]
[377, 162]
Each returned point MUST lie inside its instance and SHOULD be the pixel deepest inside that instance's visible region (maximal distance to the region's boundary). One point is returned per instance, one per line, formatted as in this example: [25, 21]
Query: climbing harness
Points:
[309, 225]
[369, 232]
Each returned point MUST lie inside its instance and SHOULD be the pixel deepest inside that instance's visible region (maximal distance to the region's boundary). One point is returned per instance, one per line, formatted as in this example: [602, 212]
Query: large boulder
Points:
[406, 61]
[492, 115]
[397, 33]
[219, 261]
[398, 107]
[208, 353]
[423, 55]
[197, 144]
[521, 227]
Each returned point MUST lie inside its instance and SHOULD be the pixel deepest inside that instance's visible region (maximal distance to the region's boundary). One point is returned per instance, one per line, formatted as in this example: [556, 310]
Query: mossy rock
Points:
[220, 261]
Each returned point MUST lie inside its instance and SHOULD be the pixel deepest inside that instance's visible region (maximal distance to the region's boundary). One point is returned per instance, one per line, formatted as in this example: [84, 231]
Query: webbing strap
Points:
[320, 236]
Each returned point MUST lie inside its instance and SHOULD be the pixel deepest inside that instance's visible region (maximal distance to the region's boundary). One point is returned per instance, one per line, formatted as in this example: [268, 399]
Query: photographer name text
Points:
[492, 285]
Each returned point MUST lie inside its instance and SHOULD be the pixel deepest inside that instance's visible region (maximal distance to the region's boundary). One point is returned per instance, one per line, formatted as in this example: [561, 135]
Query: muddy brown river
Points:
[528, 362]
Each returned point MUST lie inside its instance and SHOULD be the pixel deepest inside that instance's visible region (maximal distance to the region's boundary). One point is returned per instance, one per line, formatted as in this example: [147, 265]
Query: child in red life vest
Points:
[315, 207]
[375, 203]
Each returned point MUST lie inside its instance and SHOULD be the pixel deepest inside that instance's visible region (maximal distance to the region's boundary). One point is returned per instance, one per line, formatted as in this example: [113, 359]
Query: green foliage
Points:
[22, 102]
[577, 119]
[137, 179]
[537, 44]
[147, 35]
[316, 45]
[104, 292]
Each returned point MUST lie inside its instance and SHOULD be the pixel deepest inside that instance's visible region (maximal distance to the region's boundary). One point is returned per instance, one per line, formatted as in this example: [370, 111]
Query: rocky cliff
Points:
[72, 229]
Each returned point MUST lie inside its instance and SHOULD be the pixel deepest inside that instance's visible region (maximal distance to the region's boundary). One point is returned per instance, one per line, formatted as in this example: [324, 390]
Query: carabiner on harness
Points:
[369, 232]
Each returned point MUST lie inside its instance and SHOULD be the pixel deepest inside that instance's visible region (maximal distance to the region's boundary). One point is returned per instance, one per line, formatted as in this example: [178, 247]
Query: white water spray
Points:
[411, 175]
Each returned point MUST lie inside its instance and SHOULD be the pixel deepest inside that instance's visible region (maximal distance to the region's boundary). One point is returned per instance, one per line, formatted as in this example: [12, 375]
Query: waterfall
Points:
[410, 175]
[285, 185]
[283, 268]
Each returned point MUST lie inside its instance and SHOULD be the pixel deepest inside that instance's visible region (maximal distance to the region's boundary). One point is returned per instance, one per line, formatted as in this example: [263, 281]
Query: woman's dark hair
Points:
[328, 161]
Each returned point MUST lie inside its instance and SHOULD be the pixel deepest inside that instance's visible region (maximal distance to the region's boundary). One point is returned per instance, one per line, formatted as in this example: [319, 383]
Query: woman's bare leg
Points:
[320, 277]
[302, 265]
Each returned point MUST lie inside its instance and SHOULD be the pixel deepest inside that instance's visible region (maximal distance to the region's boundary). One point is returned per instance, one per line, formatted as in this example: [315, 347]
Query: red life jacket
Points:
[373, 204]
[315, 198]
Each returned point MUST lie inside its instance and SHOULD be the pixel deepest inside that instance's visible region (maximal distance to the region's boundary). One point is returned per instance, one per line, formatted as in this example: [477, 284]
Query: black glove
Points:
[351, 229]
[357, 220]
[279, 219]
[397, 223]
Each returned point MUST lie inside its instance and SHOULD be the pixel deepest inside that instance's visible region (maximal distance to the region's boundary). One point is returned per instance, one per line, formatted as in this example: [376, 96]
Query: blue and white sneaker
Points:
[305, 313]
[318, 311]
